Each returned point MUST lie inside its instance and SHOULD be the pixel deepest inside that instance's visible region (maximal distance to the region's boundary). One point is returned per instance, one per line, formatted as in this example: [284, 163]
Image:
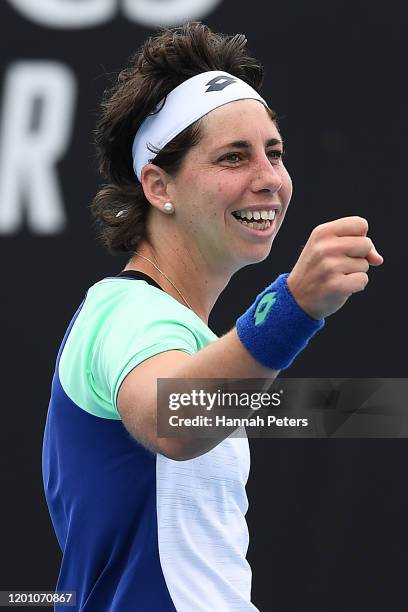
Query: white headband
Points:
[183, 106]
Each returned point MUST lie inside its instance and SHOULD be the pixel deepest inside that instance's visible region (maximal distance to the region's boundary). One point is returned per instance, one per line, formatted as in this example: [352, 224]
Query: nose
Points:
[266, 176]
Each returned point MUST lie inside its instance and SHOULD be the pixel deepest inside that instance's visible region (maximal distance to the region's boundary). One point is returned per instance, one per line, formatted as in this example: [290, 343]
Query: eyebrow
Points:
[244, 144]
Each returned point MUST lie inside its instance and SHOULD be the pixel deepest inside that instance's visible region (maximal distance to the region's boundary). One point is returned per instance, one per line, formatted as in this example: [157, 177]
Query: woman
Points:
[196, 190]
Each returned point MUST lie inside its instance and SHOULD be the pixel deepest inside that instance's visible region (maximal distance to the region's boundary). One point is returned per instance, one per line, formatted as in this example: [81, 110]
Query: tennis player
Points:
[195, 190]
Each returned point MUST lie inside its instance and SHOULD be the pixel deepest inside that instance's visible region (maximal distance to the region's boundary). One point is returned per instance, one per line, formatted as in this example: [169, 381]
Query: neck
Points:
[199, 287]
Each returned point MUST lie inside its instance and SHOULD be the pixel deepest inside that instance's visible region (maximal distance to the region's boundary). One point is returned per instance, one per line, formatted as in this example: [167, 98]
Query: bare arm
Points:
[137, 397]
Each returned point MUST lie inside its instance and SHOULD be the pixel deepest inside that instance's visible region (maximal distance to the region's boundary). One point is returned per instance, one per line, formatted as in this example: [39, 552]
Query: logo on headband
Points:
[219, 83]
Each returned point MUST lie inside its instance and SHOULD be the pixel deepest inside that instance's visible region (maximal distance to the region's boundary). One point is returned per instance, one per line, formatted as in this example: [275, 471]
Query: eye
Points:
[276, 155]
[231, 157]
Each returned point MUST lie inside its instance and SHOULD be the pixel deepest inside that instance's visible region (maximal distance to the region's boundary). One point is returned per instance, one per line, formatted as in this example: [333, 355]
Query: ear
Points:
[155, 183]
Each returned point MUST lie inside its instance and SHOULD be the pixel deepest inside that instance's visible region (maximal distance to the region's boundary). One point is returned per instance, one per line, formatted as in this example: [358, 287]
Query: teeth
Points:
[256, 214]
[262, 225]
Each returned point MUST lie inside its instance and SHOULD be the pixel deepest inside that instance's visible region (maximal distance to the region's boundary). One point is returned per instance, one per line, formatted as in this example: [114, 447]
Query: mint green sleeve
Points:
[122, 323]
[130, 336]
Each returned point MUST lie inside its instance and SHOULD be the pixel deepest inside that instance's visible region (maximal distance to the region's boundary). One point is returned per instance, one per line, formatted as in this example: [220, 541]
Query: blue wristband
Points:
[274, 330]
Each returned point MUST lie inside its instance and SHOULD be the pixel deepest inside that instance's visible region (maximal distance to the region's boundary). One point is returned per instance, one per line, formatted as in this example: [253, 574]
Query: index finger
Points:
[348, 226]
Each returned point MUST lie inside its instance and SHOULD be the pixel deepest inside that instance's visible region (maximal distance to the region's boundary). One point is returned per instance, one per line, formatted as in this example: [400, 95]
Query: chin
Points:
[255, 255]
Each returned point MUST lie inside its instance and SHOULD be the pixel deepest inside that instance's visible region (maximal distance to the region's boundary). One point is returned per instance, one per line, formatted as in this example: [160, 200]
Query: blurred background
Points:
[327, 517]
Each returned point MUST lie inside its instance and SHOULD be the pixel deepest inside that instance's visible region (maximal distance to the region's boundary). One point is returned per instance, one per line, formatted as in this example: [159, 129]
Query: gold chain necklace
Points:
[166, 277]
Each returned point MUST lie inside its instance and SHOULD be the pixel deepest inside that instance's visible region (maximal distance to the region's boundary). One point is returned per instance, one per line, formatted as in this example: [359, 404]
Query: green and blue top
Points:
[138, 531]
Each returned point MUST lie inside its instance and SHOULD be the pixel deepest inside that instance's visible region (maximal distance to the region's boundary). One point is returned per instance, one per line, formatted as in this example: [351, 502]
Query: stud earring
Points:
[168, 208]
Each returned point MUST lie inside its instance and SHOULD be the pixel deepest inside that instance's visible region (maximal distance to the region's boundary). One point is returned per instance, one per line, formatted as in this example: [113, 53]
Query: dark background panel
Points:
[327, 517]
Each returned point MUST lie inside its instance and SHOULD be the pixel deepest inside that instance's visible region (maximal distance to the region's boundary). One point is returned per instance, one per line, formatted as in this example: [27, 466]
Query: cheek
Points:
[228, 191]
[210, 196]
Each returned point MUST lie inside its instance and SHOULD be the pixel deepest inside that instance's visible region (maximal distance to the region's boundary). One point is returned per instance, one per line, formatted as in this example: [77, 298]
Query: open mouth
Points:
[255, 219]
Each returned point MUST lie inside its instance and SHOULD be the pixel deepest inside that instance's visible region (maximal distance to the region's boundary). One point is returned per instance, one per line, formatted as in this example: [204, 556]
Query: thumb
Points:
[374, 258]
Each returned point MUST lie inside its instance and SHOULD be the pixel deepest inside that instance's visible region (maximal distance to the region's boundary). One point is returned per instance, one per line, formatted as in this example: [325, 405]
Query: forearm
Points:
[224, 359]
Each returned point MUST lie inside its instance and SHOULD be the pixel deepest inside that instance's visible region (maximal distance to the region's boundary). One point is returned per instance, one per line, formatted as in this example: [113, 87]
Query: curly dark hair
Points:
[162, 63]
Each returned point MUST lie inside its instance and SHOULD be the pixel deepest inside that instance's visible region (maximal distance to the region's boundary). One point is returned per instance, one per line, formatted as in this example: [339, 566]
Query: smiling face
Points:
[235, 175]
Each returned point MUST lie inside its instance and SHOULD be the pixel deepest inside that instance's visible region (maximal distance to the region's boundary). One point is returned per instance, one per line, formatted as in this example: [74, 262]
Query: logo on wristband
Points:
[264, 307]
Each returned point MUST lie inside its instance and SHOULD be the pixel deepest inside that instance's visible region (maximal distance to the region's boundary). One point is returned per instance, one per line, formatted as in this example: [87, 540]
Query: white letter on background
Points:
[36, 126]
[66, 14]
[171, 12]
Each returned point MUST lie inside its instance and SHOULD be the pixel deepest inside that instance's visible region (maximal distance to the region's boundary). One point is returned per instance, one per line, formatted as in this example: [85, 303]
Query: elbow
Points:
[179, 449]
